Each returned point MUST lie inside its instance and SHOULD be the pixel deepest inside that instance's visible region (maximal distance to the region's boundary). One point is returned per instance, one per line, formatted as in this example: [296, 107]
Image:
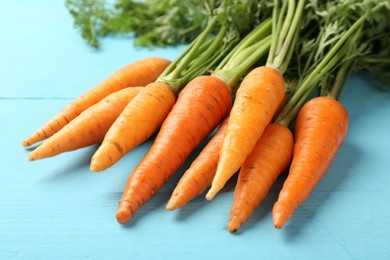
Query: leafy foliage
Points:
[162, 22]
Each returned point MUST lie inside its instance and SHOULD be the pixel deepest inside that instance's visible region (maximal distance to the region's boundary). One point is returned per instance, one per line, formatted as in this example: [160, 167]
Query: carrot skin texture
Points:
[200, 107]
[320, 129]
[270, 157]
[138, 121]
[201, 172]
[139, 73]
[88, 128]
[257, 99]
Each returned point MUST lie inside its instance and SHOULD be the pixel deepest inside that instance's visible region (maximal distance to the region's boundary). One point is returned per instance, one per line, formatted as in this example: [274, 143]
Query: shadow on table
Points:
[77, 163]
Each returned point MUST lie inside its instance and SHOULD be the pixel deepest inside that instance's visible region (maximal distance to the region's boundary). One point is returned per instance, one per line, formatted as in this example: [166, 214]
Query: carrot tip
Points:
[233, 226]
[94, 167]
[281, 213]
[212, 192]
[210, 195]
[32, 157]
[171, 205]
[123, 215]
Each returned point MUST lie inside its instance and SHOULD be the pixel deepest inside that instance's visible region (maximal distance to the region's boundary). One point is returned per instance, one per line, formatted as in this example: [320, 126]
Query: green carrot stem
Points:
[286, 24]
[235, 57]
[277, 22]
[191, 54]
[248, 58]
[334, 88]
[174, 63]
[284, 34]
[338, 84]
[329, 62]
[375, 59]
[208, 58]
[283, 55]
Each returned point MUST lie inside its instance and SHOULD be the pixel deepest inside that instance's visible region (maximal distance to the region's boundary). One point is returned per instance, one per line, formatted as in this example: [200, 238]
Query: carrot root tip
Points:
[210, 195]
[171, 205]
[233, 226]
[212, 192]
[281, 213]
[123, 215]
[94, 167]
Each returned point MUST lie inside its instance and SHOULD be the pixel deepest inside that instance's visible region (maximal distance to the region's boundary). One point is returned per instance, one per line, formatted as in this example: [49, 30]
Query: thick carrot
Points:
[137, 122]
[320, 130]
[88, 128]
[201, 172]
[257, 99]
[270, 157]
[200, 107]
[139, 73]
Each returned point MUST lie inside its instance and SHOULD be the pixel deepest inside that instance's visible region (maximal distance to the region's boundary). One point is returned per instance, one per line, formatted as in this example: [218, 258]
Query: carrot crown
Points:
[251, 49]
[224, 29]
[331, 57]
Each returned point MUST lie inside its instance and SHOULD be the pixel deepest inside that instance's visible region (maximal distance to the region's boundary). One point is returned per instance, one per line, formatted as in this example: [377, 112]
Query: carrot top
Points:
[284, 25]
[159, 22]
[216, 41]
[250, 50]
[327, 56]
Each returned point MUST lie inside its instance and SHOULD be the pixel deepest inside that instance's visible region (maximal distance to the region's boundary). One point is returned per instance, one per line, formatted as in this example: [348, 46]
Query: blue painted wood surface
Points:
[58, 209]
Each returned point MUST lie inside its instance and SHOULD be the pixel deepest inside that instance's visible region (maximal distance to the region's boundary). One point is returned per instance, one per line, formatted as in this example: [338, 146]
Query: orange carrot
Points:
[139, 73]
[270, 157]
[201, 172]
[320, 130]
[137, 122]
[88, 128]
[257, 99]
[200, 107]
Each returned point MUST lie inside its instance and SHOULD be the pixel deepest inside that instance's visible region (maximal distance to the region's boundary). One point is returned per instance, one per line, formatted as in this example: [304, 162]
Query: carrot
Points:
[270, 157]
[88, 128]
[320, 130]
[139, 73]
[201, 172]
[257, 99]
[259, 96]
[137, 122]
[200, 107]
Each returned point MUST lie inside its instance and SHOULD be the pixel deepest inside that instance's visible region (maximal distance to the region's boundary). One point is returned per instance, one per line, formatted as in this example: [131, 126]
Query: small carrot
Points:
[320, 129]
[136, 123]
[201, 172]
[88, 128]
[139, 73]
[257, 99]
[200, 107]
[270, 157]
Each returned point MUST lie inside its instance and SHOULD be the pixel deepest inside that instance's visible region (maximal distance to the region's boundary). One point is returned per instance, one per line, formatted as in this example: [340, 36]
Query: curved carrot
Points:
[200, 107]
[201, 172]
[88, 128]
[270, 157]
[257, 99]
[320, 129]
[139, 73]
[137, 122]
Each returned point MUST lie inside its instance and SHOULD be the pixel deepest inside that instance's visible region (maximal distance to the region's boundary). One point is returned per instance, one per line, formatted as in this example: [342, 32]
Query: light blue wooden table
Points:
[58, 209]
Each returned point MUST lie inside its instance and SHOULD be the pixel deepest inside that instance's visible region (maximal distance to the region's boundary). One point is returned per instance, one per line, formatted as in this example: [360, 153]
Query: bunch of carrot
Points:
[185, 104]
